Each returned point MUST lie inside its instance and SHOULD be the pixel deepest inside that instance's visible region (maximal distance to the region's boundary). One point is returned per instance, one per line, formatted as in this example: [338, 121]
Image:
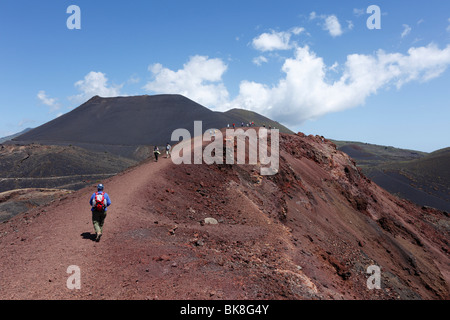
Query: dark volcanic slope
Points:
[36, 166]
[424, 181]
[370, 155]
[15, 202]
[129, 121]
[417, 176]
[140, 120]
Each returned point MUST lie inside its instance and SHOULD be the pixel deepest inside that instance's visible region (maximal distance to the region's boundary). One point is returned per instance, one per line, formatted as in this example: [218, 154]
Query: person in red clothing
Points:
[99, 202]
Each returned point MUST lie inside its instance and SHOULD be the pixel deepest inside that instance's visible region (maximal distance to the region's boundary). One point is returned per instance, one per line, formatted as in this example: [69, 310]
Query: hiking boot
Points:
[99, 235]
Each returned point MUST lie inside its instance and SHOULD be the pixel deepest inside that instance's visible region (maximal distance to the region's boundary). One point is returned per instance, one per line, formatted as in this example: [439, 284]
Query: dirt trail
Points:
[154, 244]
[37, 248]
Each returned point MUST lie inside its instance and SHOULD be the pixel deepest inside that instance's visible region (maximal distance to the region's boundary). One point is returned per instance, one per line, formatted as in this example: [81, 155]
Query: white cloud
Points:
[50, 102]
[277, 40]
[334, 67]
[297, 30]
[199, 80]
[304, 93]
[350, 25]
[359, 12]
[95, 83]
[260, 60]
[133, 79]
[406, 30]
[309, 88]
[272, 41]
[330, 23]
[26, 122]
[333, 26]
[448, 28]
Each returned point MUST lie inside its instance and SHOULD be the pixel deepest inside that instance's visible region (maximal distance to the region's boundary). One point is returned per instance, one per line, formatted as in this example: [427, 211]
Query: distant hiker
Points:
[228, 125]
[168, 147]
[234, 126]
[99, 202]
[156, 152]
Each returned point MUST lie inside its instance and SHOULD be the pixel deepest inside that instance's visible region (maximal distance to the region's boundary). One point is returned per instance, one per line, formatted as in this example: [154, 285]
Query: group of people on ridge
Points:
[250, 124]
[156, 151]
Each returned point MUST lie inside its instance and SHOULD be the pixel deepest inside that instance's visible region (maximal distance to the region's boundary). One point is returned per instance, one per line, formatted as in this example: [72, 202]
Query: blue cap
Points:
[100, 187]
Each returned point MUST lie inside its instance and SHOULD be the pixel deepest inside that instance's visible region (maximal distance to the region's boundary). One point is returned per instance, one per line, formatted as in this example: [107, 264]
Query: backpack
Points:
[99, 202]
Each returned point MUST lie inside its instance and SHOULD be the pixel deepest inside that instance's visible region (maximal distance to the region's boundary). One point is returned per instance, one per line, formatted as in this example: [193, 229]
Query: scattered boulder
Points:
[211, 221]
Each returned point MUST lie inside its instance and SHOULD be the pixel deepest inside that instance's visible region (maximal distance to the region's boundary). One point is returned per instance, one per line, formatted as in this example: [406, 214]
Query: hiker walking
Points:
[156, 153]
[99, 202]
[168, 147]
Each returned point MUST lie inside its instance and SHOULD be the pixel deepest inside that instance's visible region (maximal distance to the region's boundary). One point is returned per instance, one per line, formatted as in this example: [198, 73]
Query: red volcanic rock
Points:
[309, 232]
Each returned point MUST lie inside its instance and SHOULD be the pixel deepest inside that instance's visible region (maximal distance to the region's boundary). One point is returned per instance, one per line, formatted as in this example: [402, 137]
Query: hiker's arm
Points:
[108, 201]
[92, 198]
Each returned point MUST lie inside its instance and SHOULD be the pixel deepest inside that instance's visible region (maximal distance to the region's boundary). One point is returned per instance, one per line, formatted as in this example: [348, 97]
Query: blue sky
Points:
[314, 66]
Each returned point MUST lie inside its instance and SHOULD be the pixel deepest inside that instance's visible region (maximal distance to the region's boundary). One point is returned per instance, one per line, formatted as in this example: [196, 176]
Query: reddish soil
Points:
[309, 232]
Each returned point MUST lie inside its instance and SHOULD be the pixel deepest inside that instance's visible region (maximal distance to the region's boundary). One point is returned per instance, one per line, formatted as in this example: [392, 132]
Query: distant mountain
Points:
[7, 138]
[120, 124]
[417, 176]
[103, 137]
